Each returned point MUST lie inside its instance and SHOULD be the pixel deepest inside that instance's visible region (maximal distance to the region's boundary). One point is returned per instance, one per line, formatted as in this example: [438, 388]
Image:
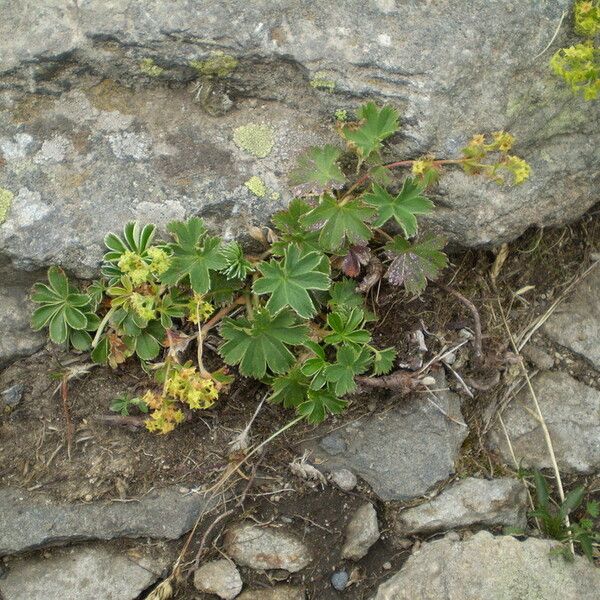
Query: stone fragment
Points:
[339, 580]
[540, 358]
[80, 573]
[27, 521]
[485, 566]
[219, 577]
[575, 324]
[572, 413]
[12, 395]
[361, 532]
[281, 592]
[344, 479]
[468, 502]
[401, 453]
[266, 548]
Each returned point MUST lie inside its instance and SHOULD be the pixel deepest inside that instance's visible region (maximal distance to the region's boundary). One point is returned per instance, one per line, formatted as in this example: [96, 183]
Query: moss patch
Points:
[6, 199]
[257, 186]
[150, 68]
[322, 81]
[218, 65]
[254, 139]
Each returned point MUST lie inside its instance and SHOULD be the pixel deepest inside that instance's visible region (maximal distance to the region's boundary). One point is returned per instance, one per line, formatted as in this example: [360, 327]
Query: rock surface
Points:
[416, 446]
[572, 413]
[17, 339]
[576, 323]
[27, 521]
[361, 533]
[485, 566]
[281, 592]
[468, 502]
[91, 573]
[431, 64]
[266, 548]
[219, 577]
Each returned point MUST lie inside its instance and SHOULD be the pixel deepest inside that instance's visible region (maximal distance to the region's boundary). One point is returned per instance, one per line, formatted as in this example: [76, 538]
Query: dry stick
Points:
[476, 318]
[547, 438]
[64, 392]
[222, 313]
[562, 18]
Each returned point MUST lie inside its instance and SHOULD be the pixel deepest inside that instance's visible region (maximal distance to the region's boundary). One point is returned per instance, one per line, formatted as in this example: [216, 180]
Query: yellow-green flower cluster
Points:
[133, 265]
[164, 416]
[160, 261]
[587, 17]
[518, 167]
[579, 66]
[198, 309]
[143, 306]
[187, 385]
[141, 270]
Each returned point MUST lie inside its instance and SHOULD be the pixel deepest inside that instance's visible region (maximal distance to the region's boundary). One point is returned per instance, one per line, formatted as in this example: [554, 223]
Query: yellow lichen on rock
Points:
[6, 198]
[254, 139]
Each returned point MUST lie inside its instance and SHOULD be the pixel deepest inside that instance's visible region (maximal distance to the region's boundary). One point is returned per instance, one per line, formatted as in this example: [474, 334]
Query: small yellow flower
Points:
[519, 168]
[143, 306]
[134, 265]
[160, 261]
[503, 141]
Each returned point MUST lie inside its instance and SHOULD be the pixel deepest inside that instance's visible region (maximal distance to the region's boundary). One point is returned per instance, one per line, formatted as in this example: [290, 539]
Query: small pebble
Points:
[387, 566]
[12, 395]
[339, 580]
[344, 479]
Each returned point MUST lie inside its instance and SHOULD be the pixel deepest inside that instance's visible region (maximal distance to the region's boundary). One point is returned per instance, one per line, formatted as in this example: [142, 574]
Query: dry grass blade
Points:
[526, 335]
[540, 416]
[164, 591]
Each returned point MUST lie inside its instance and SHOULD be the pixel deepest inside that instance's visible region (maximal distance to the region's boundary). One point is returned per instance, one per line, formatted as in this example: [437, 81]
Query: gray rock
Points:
[361, 532]
[266, 548]
[80, 573]
[219, 577]
[344, 479]
[572, 413]
[468, 502]
[485, 566]
[576, 323]
[17, 339]
[339, 580]
[281, 592]
[12, 395]
[27, 521]
[540, 358]
[150, 151]
[403, 452]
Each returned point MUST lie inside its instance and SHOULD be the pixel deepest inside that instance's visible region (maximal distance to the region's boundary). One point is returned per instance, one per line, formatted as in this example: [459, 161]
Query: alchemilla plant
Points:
[293, 317]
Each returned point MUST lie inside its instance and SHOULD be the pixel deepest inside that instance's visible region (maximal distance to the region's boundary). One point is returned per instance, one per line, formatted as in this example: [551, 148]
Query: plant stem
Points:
[222, 313]
[200, 344]
[101, 327]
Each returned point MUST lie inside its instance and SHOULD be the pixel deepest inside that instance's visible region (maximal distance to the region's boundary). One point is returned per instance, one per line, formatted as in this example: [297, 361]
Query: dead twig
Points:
[403, 382]
[64, 393]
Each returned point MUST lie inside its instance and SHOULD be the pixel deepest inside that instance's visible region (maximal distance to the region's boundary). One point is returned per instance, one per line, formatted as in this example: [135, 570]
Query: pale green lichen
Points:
[148, 67]
[275, 196]
[322, 81]
[6, 198]
[254, 139]
[257, 186]
[218, 65]
[341, 114]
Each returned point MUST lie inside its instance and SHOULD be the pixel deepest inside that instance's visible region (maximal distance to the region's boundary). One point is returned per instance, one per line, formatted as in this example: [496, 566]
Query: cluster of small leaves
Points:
[552, 517]
[579, 65]
[304, 328]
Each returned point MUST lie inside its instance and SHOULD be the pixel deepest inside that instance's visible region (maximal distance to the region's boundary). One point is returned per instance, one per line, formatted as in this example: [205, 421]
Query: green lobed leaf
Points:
[237, 265]
[290, 389]
[413, 264]
[343, 294]
[291, 231]
[319, 403]
[339, 222]
[289, 280]
[376, 124]
[195, 255]
[317, 171]
[402, 207]
[349, 363]
[347, 327]
[261, 343]
[383, 361]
